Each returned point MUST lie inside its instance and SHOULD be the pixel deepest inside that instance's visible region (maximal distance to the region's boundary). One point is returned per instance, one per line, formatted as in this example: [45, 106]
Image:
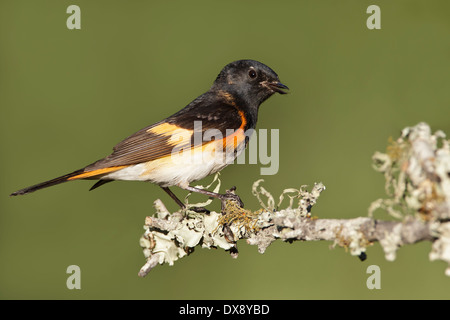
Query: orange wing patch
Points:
[97, 172]
[163, 128]
[176, 133]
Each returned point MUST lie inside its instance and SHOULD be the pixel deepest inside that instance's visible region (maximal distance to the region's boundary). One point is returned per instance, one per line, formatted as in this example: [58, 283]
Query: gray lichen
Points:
[440, 250]
[416, 167]
[169, 237]
[417, 171]
[417, 174]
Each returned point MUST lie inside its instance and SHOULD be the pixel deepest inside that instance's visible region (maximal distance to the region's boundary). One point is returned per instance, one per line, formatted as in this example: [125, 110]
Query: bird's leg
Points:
[174, 197]
[181, 204]
[229, 195]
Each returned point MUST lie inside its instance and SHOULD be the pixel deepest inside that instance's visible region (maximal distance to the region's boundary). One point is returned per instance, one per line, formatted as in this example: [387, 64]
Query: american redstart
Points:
[176, 151]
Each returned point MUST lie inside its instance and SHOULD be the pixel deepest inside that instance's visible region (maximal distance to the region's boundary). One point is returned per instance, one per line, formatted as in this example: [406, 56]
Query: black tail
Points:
[99, 183]
[46, 184]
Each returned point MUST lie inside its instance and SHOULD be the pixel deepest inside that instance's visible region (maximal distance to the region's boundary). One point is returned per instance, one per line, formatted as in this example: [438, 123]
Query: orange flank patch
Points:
[233, 140]
[244, 120]
[97, 172]
[238, 136]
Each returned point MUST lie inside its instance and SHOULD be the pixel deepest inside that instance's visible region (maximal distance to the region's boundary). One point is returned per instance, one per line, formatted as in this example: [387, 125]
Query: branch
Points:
[417, 182]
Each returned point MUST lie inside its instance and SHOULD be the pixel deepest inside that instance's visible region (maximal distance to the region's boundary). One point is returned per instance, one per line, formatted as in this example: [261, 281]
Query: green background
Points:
[68, 96]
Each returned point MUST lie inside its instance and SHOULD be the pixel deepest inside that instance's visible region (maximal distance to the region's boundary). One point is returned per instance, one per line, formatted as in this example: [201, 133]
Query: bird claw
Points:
[228, 233]
[200, 210]
[230, 195]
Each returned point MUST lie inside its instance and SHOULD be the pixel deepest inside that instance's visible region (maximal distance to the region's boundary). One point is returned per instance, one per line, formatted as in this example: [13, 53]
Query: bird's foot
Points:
[199, 210]
[230, 196]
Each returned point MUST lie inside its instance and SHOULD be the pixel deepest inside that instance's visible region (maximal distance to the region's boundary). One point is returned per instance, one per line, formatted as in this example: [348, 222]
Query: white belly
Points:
[181, 168]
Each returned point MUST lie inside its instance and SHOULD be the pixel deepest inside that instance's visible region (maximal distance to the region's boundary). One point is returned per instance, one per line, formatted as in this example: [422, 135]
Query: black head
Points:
[250, 80]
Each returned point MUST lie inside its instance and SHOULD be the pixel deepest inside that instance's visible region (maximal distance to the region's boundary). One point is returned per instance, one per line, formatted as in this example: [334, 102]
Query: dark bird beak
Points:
[276, 86]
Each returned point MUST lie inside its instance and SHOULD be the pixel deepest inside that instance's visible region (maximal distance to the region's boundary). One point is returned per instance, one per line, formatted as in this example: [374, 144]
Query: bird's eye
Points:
[252, 74]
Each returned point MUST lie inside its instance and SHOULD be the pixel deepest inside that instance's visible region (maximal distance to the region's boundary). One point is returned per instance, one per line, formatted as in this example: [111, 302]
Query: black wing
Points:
[177, 131]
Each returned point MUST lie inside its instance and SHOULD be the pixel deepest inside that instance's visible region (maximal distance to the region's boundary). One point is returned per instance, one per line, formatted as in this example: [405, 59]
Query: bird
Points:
[199, 140]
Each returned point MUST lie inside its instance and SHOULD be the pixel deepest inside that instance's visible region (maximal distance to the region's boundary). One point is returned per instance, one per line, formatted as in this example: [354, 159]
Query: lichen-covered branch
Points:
[417, 171]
